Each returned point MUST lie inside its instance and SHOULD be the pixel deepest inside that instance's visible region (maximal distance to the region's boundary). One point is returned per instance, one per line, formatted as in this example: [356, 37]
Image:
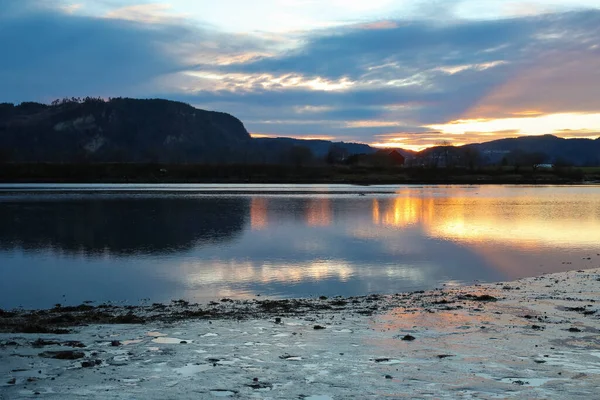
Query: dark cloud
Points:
[47, 53]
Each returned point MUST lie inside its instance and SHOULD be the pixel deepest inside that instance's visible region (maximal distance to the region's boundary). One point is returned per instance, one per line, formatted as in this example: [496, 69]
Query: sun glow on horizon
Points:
[477, 130]
[401, 145]
[276, 136]
[528, 125]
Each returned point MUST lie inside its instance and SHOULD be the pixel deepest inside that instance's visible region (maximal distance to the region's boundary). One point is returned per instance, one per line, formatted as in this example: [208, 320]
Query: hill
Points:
[118, 130]
[126, 130]
[571, 151]
[537, 149]
[273, 149]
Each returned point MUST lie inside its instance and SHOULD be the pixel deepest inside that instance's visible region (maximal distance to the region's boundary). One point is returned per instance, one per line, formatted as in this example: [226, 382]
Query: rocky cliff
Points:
[118, 130]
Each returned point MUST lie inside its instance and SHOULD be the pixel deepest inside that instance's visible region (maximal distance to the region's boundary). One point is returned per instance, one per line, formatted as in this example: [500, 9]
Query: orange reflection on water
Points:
[318, 212]
[258, 213]
[402, 211]
[520, 222]
[525, 221]
[376, 213]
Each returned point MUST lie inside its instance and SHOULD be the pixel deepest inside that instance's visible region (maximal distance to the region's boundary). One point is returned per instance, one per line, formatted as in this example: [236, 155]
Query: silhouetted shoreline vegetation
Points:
[237, 173]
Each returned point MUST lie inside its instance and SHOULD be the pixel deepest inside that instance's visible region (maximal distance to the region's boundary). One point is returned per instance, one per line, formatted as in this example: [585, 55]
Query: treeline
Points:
[237, 173]
[472, 158]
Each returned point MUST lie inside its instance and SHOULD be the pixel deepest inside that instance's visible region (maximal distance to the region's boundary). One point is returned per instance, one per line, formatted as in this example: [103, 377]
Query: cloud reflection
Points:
[294, 245]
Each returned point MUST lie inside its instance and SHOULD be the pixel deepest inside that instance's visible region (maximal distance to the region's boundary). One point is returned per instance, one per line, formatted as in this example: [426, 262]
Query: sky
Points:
[391, 73]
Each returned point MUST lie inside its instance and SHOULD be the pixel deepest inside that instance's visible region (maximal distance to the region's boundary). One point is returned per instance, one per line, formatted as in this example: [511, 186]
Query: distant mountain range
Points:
[132, 130]
[319, 148]
[544, 148]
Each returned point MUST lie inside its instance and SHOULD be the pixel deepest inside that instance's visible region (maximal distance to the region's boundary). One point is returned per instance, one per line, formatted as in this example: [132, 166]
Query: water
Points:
[155, 243]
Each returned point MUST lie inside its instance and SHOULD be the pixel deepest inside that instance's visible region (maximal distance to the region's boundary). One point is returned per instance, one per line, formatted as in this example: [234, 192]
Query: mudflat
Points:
[535, 338]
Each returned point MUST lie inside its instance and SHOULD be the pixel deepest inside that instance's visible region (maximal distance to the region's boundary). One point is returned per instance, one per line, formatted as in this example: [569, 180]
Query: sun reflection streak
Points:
[402, 211]
[318, 212]
[258, 213]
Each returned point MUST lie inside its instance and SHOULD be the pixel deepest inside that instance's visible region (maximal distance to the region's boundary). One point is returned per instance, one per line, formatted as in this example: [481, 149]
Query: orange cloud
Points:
[379, 25]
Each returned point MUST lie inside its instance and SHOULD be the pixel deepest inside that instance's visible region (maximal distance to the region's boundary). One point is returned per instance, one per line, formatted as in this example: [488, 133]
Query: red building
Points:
[392, 156]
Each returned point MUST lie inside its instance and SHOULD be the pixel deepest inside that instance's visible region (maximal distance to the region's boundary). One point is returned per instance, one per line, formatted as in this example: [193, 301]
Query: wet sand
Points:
[535, 338]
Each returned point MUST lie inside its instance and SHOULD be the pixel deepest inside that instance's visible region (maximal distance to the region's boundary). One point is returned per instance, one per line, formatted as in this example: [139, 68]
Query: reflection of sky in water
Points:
[127, 246]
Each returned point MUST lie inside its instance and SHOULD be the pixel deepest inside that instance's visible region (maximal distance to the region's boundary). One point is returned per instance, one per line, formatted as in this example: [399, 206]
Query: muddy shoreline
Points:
[533, 338]
[64, 319]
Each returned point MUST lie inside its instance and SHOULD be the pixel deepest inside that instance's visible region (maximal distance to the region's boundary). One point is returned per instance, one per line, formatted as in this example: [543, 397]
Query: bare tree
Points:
[471, 157]
[300, 155]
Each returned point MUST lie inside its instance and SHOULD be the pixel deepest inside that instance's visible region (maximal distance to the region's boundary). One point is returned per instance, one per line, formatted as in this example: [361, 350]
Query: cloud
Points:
[357, 81]
[50, 53]
[422, 73]
[148, 13]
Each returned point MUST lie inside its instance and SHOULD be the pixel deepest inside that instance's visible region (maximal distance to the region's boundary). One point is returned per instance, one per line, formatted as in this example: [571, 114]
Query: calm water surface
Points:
[134, 243]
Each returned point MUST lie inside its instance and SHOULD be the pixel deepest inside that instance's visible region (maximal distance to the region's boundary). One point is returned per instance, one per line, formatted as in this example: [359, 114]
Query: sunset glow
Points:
[557, 124]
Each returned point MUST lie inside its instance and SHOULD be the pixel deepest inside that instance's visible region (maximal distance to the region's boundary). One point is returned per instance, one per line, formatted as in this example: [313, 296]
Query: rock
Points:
[41, 343]
[442, 356]
[408, 337]
[260, 385]
[115, 343]
[63, 355]
[378, 360]
[537, 327]
[318, 327]
[389, 377]
[90, 363]
[277, 320]
[12, 381]
[74, 343]
[573, 329]
[129, 318]
[485, 297]
[290, 358]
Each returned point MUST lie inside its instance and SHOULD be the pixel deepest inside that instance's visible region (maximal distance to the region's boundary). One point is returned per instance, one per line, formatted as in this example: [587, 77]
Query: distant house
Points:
[381, 158]
[391, 156]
